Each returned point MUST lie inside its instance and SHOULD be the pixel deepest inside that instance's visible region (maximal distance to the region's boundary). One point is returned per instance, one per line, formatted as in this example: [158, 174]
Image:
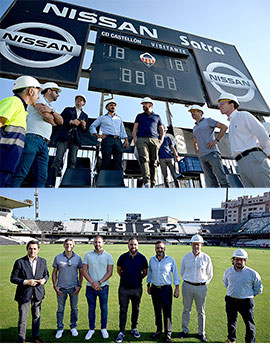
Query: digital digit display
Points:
[140, 67]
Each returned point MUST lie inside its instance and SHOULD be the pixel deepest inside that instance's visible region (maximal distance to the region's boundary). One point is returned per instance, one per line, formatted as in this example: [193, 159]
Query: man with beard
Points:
[132, 267]
[242, 285]
[97, 269]
[146, 131]
[40, 120]
[159, 281]
[196, 271]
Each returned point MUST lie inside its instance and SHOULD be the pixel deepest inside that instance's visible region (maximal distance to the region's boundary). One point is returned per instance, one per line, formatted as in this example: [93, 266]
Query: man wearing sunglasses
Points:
[66, 267]
[40, 120]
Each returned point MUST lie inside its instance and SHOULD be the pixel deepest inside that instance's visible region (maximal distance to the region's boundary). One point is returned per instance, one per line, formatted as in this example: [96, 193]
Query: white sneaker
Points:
[89, 334]
[74, 332]
[59, 334]
[104, 333]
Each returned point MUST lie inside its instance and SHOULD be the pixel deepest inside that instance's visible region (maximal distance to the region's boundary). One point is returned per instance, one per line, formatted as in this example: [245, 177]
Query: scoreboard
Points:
[123, 64]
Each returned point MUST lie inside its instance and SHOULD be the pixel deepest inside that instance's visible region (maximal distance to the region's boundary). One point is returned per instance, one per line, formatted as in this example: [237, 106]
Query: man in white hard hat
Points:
[196, 271]
[250, 143]
[13, 125]
[74, 123]
[146, 131]
[113, 132]
[40, 120]
[242, 285]
[205, 145]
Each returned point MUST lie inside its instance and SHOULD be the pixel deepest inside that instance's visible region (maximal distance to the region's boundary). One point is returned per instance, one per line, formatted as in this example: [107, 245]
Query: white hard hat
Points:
[25, 81]
[51, 85]
[109, 101]
[228, 96]
[197, 238]
[195, 107]
[82, 96]
[240, 253]
[147, 100]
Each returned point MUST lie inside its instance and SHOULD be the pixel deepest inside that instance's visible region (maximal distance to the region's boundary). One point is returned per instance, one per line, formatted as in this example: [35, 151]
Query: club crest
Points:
[148, 59]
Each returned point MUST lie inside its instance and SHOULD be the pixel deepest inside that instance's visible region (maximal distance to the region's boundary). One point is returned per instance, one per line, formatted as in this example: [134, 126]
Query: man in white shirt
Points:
[196, 271]
[250, 143]
[242, 285]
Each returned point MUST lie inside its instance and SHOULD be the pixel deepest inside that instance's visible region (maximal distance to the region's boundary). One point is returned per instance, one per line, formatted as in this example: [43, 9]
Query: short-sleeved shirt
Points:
[13, 109]
[165, 150]
[35, 122]
[148, 125]
[97, 265]
[132, 267]
[67, 270]
[203, 132]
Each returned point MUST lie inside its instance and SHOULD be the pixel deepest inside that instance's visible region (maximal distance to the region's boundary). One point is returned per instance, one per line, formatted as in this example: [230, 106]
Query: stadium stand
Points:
[217, 228]
[7, 241]
[191, 228]
[256, 225]
[32, 225]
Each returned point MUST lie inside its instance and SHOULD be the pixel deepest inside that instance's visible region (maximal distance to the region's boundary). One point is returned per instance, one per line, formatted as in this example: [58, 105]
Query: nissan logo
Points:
[65, 49]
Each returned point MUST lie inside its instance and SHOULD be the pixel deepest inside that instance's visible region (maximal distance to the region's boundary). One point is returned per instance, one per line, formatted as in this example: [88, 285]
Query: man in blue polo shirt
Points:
[166, 154]
[97, 269]
[132, 267]
[146, 131]
[66, 267]
[205, 145]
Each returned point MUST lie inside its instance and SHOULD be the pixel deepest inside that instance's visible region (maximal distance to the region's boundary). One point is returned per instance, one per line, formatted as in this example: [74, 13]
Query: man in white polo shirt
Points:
[196, 271]
[97, 269]
[250, 143]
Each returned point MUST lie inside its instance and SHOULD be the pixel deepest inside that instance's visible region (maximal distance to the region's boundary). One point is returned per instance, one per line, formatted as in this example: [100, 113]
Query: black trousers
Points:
[111, 147]
[246, 308]
[125, 295]
[162, 302]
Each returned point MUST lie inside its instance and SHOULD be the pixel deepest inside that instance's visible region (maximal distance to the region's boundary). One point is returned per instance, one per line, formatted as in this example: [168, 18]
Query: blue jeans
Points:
[91, 296]
[213, 170]
[61, 300]
[36, 153]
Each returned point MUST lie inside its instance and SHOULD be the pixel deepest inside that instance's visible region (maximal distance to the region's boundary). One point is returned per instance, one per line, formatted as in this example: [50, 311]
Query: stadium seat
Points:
[110, 179]
[235, 181]
[76, 178]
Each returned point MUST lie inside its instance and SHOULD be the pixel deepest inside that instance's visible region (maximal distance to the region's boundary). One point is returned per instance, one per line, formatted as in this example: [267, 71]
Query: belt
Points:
[161, 287]
[196, 284]
[246, 152]
[113, 136]
[43, 138]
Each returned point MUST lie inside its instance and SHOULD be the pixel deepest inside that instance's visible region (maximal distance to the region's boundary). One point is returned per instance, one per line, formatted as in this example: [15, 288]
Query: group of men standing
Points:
[30, 273]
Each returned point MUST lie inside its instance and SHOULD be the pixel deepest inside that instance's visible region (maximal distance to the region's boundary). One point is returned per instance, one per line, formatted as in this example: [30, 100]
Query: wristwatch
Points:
[217, 139]
[52, 112]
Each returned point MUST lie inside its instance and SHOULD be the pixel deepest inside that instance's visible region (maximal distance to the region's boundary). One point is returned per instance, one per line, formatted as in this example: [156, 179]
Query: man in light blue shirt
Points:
[242, 285]
[97, 269]
[113, 131]
[159, 281]
[40, 120]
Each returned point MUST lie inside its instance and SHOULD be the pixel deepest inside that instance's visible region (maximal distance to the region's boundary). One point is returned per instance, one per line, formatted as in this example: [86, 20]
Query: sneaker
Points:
[147, 185]
[119, 337]
[59, 334]
[183, 335]
[135, 333]
[203, 338]
[228, 341]
[104, 333]
[89, 334]
[74, 332]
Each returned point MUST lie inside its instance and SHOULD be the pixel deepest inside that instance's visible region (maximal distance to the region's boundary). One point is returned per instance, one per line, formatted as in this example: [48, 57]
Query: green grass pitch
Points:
[216, 325]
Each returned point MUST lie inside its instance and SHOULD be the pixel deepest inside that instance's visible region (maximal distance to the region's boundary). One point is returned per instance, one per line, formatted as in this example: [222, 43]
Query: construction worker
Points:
[13, 124]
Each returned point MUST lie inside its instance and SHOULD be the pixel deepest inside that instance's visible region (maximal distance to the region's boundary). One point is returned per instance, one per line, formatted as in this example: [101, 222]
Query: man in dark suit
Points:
[30, 273]
[75, 122]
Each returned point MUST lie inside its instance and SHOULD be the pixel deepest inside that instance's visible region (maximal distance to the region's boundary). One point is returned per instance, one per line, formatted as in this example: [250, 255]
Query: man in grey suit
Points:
[30, 273]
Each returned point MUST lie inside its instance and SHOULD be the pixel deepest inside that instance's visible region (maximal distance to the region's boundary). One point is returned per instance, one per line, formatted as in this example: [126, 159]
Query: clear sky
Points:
[243, 23]
[113, 204]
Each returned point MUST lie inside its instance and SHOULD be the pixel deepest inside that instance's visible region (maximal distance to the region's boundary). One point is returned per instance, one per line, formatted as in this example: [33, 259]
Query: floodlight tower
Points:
[36, 204]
